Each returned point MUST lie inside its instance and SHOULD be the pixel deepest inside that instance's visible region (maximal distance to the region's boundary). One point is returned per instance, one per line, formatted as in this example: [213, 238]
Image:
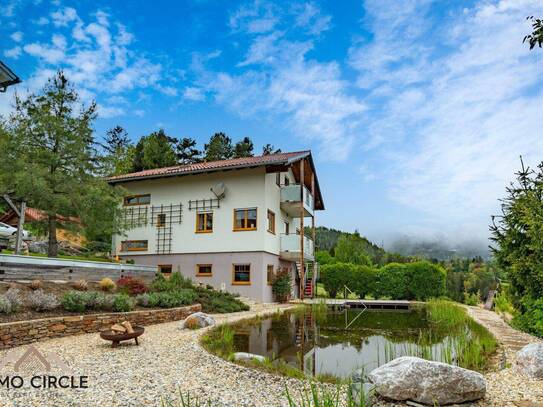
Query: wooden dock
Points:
[391, 305]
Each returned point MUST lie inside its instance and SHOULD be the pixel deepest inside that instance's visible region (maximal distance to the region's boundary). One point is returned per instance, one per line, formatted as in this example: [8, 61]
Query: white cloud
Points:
[8, 8]
[107, 112]
[256, 18]
[167, 90]
[14, 52]
[42, 21]
[17, 36]
[280, 81]
[139, 112]
[451, 113]
[193, 94]
[310, 18]
[50, 54]
[62, 17]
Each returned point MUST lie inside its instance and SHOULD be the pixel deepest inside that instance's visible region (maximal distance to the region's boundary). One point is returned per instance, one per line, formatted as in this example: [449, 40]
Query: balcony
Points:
[291, 201]
[291, 247]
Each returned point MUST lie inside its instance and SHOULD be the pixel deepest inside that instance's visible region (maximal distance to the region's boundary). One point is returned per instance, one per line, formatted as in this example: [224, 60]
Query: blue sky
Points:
[416, 111]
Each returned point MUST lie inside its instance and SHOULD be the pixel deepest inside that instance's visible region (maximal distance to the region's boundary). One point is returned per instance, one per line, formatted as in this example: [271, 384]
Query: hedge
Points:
[408, 281]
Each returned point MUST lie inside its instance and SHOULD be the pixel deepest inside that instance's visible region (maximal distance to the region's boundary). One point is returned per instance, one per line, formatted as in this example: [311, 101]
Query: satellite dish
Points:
[219, 189]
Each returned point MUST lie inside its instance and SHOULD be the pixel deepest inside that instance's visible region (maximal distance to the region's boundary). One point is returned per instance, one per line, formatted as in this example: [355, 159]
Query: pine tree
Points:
[244, 148]
[187, 153]
[270, 149]
[156, 150]
[218, 148]
[536, 37]
[119, 152]
[53, 161]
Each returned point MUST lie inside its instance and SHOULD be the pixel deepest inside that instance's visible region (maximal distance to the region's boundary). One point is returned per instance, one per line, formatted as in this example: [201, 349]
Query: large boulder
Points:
[197, 320]
[530, 361]
[427, 382]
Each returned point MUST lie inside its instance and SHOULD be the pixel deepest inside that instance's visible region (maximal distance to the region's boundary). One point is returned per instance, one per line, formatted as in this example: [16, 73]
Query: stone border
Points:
[23, 332]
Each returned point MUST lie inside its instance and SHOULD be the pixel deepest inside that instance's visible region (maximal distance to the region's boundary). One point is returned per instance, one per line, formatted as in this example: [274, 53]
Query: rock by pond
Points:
[530, 361]
[427, 382]
[244, 356]
[198, 319]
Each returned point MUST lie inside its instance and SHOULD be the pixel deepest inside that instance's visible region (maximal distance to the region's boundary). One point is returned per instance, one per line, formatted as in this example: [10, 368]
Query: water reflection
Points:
[339, 342]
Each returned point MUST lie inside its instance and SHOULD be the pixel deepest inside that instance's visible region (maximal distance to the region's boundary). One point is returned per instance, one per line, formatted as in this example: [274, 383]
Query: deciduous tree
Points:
[350, 249]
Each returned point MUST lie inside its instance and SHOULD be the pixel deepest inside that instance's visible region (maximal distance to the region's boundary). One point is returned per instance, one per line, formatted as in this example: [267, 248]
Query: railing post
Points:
[20, 226]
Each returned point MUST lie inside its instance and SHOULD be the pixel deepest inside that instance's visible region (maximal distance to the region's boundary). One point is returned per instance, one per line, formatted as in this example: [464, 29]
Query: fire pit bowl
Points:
[116, 337]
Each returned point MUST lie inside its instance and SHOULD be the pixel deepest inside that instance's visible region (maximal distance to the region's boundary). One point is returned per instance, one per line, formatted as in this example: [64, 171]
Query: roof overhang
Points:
[7, 77]
[271, 166]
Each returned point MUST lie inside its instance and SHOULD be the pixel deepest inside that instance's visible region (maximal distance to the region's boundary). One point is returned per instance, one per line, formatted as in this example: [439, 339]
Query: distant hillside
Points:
[404, 249]
[326, 239]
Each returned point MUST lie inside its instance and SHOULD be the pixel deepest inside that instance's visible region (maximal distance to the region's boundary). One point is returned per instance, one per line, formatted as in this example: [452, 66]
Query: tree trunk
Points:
[52, 249]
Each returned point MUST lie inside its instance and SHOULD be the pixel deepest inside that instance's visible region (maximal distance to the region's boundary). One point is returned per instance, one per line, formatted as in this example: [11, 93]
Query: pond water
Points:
[338, 342]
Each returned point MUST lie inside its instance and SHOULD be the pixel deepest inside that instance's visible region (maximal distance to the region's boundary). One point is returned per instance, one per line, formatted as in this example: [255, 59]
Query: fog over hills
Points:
[440, 248]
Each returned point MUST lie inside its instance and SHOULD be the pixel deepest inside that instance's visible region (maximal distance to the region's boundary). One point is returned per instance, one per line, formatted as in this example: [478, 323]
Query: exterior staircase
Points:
[309, 277]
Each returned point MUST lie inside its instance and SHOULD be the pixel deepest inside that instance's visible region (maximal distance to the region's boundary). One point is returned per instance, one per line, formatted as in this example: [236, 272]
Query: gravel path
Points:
[169, 360]
[166, 360]
[506, 387]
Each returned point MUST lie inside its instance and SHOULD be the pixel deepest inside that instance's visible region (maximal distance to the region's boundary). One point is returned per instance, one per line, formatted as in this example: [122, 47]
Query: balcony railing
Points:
[291, 246]
[291, 198]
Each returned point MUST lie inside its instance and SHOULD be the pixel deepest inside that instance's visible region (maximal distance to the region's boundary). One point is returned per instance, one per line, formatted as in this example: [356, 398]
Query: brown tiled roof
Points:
[33, 215]
[246, 162]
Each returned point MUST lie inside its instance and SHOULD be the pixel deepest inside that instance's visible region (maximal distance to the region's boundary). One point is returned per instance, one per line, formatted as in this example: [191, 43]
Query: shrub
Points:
[175, 282]
[471, 298]
[132, 285]
[426, 280]
[12, 295]
[365, 281]
[36, 285]
[502, 303]
[107, 285]
[282, 285]
[393, 281]
[105, 302]
[40, 301]
[219, 302]
[80, 285]
[123, 303]
[172, 299]
[143, 300]
[336, 276]
[5, 305]
[531, 317]
[74, 301]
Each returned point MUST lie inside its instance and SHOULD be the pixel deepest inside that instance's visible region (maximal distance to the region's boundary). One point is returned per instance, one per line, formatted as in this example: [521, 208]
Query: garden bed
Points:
[27, 301]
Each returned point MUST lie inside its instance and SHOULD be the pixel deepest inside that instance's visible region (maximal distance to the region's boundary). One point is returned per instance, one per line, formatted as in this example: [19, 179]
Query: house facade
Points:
[231, 224]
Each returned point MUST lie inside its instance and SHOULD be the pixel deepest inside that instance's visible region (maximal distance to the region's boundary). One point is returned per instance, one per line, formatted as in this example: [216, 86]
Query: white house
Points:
[230, 224]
